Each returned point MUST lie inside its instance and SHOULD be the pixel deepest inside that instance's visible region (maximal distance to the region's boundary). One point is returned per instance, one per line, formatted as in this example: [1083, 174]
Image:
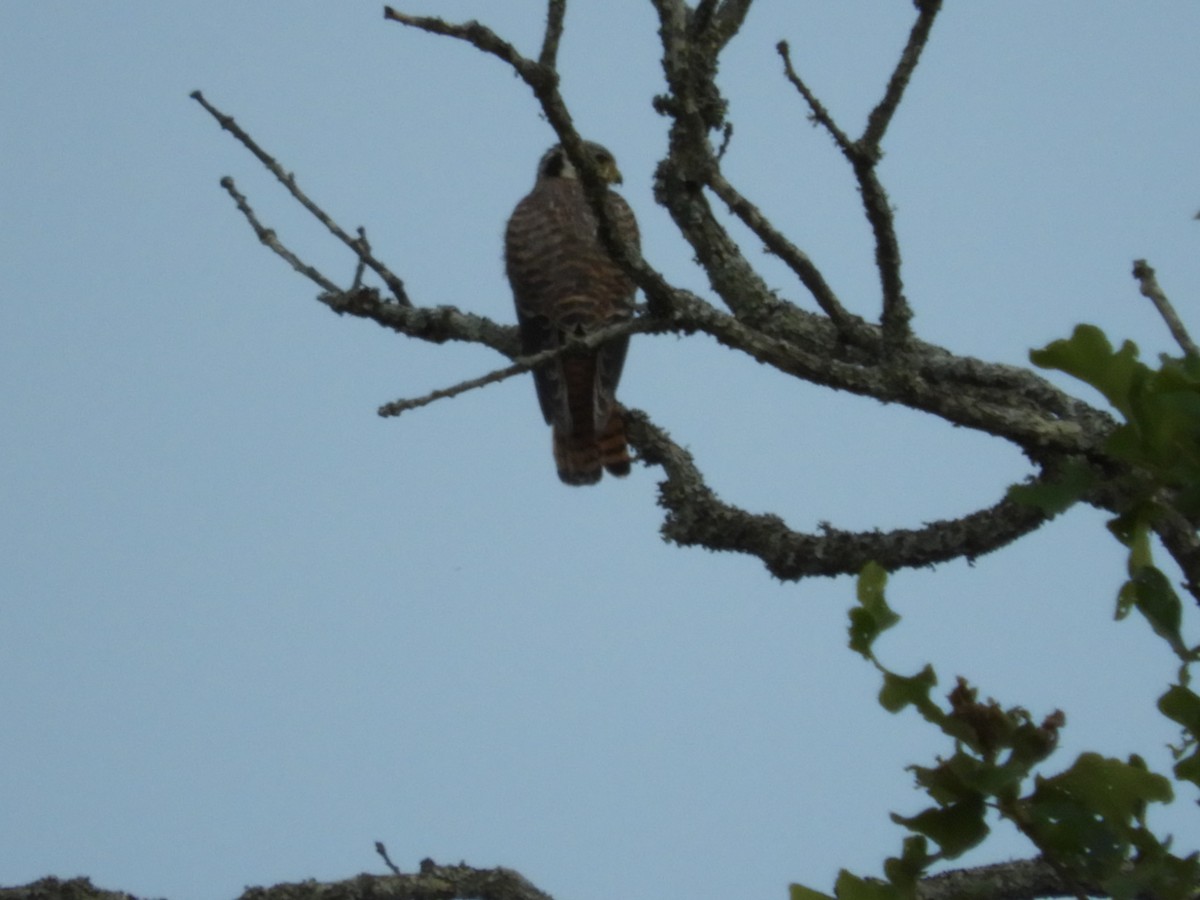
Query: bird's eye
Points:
[603, 158]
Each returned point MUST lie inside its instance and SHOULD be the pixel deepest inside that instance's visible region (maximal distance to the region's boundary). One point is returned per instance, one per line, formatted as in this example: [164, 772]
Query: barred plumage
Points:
[564, 283]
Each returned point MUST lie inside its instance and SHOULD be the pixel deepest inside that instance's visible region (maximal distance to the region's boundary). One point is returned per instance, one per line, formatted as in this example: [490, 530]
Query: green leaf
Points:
[955, 828]
[851, 887]
[899, 691]
[871, 582]
[1090, 817]
[964, 776]
[1114, 790]
[906, 870]
[1181, 705]
[1158, 602]
[1126, 600]
[1155, 873]
[1053, 497]
[1089, 356]
[1188, 769]
[872, 616]
[800, 892]
[1140, 553]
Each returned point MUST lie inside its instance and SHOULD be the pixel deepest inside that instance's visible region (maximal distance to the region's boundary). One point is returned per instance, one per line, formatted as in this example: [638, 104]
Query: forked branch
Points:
[838, 350]
[863, 155]
[288, 180]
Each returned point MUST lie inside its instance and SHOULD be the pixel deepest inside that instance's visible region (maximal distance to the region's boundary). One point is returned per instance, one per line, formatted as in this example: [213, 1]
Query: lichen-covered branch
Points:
[1148, 284]
[1014, 880]
[555, 14]
[696, 516]
[881, 115]
[430, 882]
[1018, 879]
[864, 155]
[817, 111]
[436, 324]
[796, 259]
[837, 349]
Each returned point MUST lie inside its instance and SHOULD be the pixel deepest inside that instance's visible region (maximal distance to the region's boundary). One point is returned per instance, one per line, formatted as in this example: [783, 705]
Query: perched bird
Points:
[566, 285]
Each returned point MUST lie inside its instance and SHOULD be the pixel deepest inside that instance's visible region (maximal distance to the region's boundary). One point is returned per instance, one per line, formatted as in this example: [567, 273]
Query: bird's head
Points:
[556, 164]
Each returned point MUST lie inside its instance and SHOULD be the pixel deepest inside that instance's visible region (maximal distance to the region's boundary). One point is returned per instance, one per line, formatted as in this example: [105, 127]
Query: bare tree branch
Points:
[555, 14]
[1013, 880]
[1148, 282]
[387, 860]
[896, 312]
[268, 237]
[1018, 879]
[696, 516]
[436, 324]
[1004, 405]
[479, 36]
[881, 115]
[1016, 405]
[430, 882]
[527, 363]
[863, 157]
[840, 351]
[795, 258]
[288, 180]
[817, 111]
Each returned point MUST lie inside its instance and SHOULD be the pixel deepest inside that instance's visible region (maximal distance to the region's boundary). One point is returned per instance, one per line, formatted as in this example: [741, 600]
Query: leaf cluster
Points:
[1087, 821]
[1160, 434]
[1160, 441]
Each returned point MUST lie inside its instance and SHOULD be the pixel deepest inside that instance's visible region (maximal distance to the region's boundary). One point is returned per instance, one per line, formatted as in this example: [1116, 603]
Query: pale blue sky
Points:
[247, 628]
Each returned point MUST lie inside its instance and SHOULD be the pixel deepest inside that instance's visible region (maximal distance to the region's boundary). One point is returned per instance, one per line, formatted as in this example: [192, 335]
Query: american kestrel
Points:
[566, 285]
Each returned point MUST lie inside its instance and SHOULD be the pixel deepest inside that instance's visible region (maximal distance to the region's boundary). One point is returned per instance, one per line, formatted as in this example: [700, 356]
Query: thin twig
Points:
[818, 113]
[382, 851]
[524, 364]
[396, 407]
[361, 268]
[896, 313]
[474, 33]
[555, 13]
[881, 115]
[288, 180]
[268, 237]
[1150, 289]
[795, 258]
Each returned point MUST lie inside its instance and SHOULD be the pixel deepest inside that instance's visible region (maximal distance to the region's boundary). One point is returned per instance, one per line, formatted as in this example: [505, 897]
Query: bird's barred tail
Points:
[581, 457]
[613, 445]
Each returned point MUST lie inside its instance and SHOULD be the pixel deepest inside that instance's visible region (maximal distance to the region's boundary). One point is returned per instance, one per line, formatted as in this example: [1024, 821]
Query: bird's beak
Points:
[611, 173]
